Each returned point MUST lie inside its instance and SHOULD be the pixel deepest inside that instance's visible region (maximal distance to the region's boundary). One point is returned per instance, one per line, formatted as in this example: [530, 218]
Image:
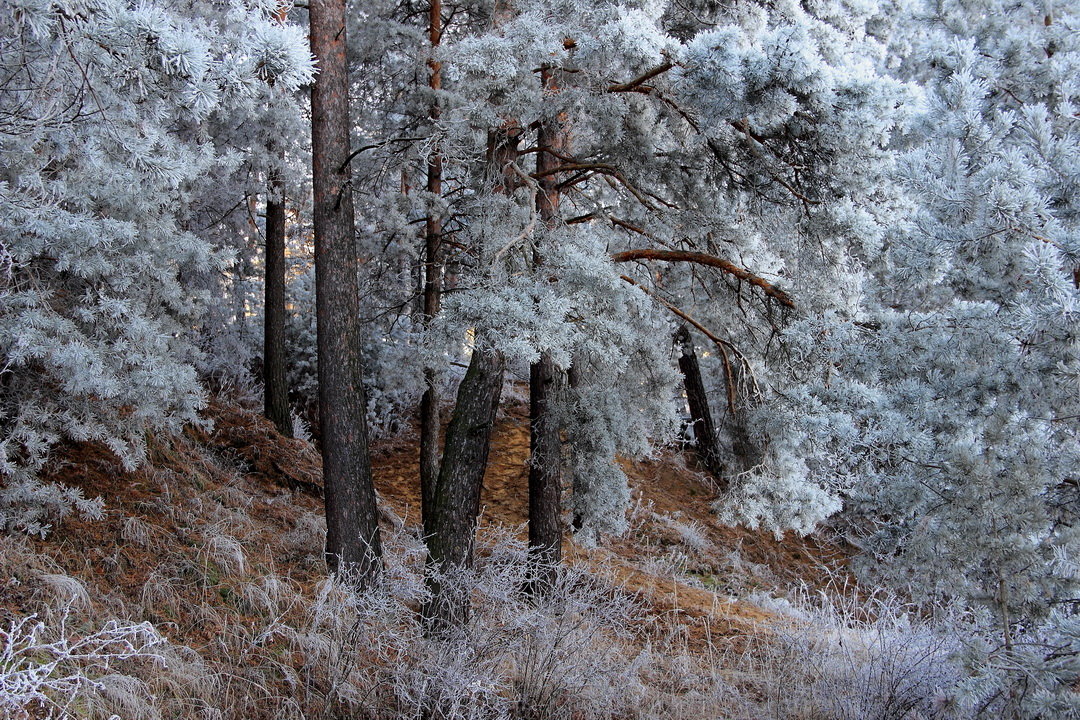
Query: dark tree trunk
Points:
[545, 463]
[275, 385]
[429, 403]
[706, 442]
[745, 451]
[353, 544]
[573, 382]
[454, 502]
[450, 521]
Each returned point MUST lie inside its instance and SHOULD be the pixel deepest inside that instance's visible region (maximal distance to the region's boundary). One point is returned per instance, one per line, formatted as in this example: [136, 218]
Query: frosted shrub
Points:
[32, 507]
[690, 533]
[850, 659]
[565, 655]
[575, 655]
[43, 677]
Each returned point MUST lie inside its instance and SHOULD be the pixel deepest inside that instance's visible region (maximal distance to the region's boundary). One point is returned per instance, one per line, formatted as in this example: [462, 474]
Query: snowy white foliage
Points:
[1034, 678]
[905, 171]
[103, 138]
[945, 408]
[31, 506]
[950, 411]
[46, 672]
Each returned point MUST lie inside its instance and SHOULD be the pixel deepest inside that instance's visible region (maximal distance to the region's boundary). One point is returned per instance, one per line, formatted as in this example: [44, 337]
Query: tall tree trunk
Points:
[545, 463]
[275, 385]
[450, 520]
[706, 442]
[353, 544]
[429, 403]
[545, 468]
[573, 382]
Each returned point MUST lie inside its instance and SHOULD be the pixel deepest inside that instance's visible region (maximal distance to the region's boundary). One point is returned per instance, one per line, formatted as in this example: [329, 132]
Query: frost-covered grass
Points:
[846, 657]
[283, 649]
[201, 595]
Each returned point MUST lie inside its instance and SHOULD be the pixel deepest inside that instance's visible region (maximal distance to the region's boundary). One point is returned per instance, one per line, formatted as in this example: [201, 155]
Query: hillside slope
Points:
[217, 543]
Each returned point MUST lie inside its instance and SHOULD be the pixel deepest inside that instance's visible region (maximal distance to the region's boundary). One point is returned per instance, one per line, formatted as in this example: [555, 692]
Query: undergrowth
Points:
[201, 595]
[588, 650]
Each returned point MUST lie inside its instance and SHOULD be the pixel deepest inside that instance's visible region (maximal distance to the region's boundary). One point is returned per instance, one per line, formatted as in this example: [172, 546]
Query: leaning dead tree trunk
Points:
[746, 451]
[353, 545]
[429, 403]
[545, 462]
[706, 443]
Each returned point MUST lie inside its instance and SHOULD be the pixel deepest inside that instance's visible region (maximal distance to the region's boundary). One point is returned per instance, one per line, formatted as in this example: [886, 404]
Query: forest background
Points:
[832, 244]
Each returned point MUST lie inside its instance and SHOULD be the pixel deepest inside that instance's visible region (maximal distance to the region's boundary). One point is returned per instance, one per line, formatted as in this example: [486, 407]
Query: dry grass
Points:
[217, 545]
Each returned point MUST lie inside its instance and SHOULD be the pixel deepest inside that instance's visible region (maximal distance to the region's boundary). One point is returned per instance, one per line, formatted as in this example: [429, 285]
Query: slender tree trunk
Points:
[429, 403]
[573, 382]
[454, 503]
[450, 520]
[275, 385]
[706, 442]
[545, 463]
[545, 468]
[353, 544]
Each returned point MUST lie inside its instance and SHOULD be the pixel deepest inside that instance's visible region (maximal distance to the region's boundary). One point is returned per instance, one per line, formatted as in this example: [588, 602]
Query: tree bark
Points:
[545, 469]
[706, 443]
[745, 451]
[353, 544]
[275, 384]
[429, 403]
[545, 463]
[454, 502]
[450, 521]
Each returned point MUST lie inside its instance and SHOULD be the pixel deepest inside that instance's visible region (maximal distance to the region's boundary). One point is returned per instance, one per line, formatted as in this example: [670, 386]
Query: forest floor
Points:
[676, 557]
[197, 539]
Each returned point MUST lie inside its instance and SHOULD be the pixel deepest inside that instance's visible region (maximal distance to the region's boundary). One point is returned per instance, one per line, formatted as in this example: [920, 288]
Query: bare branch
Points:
[635, 84]
[611, 171]
[712, 261]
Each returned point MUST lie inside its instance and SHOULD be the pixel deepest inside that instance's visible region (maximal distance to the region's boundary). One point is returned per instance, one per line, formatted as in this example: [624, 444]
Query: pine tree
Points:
[105, 106]
[353, 544]
[669, 151]
[945, 410]
[275, 383]
[432, 289]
